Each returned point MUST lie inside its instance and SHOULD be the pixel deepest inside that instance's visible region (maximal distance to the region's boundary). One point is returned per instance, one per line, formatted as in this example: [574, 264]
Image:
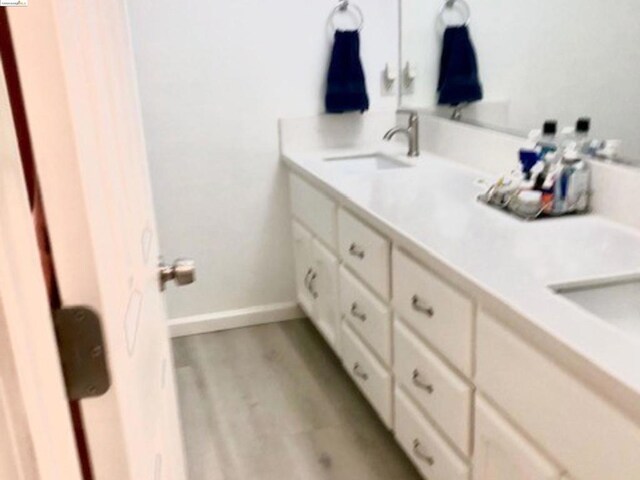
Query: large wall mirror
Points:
[536, 60]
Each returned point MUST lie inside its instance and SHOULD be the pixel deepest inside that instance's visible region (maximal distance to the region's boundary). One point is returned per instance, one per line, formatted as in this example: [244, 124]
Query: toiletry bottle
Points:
[548, 141]
[581, 135]
[574, 183]
[549, 174]
[562, 176]
[579, 186]
[528, 159]
[559, 189]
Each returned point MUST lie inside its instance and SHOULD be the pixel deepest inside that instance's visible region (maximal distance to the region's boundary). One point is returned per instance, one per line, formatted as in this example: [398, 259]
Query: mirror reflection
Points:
[514, 65]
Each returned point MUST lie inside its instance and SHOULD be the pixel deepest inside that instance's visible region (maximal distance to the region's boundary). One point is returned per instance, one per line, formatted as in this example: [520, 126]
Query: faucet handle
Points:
[413, 114]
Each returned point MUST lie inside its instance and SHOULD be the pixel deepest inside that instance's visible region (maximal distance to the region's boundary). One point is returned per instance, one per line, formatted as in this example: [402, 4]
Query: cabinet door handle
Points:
[306, 278]
[357, 313]
[356, 251]
[420, 384]
[419, 306]
[312, 288]
[422, 456]
[357, 371]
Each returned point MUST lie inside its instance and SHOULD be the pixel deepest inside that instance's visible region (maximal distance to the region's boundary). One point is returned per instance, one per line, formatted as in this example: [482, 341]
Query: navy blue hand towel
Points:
[346, 87]
[459, 81]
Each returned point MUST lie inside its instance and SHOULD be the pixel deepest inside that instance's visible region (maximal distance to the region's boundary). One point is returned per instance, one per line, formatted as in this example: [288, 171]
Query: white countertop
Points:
[433, 207]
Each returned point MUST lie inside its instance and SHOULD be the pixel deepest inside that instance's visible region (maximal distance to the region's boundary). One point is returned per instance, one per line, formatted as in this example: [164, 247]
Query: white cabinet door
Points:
[317, 283]
[324, 286]
[303, 257]
[502, 453]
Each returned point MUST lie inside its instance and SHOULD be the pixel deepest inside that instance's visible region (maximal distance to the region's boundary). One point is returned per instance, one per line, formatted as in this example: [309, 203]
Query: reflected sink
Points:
[614, 300]
[366, 163]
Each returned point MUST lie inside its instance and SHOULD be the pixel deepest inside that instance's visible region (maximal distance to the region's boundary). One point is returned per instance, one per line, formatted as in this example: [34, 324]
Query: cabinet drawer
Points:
[428, 451]
[365, 251]
[367, 315]
[434, 386]
[314, 209]
[370, 376]
[439, 313]
[577, 427]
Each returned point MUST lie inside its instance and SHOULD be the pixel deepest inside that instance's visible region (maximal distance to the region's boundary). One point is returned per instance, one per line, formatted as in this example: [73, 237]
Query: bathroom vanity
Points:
[444, 313]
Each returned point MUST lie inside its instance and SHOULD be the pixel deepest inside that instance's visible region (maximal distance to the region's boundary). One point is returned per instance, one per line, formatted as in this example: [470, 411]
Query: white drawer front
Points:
[367, 315]
[370, 376]
[314, 209]
[429, 452]
[576, 426]
[434, 386]
[438, 312]
[365, 251]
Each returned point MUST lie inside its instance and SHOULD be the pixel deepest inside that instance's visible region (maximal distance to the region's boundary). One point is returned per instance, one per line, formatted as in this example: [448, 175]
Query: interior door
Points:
[78, 81]
[36, 433]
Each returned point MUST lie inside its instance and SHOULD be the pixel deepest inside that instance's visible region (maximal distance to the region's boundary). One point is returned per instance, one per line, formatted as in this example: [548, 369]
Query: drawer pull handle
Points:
[359, 373]
[311, 287]
[422, 456]
[357, 313]
[419, 306]
[420, 384]
[356, 251]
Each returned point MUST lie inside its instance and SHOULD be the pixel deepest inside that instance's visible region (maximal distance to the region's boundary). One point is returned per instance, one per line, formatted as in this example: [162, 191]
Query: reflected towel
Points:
[346, 87]
[459, 81]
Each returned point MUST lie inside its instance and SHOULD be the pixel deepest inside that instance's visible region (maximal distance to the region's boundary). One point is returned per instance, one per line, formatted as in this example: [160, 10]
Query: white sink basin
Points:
[614, 300]
[366, 163]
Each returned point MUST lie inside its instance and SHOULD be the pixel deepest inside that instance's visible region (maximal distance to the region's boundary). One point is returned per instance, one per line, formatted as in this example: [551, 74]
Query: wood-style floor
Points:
[272, 402]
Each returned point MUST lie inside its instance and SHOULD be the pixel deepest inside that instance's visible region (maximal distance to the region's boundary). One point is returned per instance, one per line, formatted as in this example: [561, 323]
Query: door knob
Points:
[183, 272]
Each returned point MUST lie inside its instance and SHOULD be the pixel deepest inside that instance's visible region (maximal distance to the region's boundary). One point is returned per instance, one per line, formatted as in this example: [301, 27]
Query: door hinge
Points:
[82, 352]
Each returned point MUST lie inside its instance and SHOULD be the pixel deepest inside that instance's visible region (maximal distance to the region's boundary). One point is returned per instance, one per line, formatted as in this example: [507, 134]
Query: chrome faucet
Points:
[412, 133]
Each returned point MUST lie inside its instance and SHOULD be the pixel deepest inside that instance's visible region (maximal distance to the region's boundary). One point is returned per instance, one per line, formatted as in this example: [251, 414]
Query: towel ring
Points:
[451, 5]
[344, 7]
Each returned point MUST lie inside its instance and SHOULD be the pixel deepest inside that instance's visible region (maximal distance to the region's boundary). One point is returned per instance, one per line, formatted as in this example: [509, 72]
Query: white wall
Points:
[215, 76]
[542, 59]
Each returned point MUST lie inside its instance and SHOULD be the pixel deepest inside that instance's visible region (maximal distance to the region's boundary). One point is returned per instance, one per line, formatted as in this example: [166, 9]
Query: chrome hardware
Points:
[420, 384]
[356, 313]
[311, 287]
[183, 272]
[463, 8]
[412, 132]
[359, 373]
[456, 113]
[343, 7]
[422, 456]
[418, 306]
[306, 278]
[356, 251]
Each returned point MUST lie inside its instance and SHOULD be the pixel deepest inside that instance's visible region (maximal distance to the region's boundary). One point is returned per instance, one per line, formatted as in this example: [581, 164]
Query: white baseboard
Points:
[244, 317]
